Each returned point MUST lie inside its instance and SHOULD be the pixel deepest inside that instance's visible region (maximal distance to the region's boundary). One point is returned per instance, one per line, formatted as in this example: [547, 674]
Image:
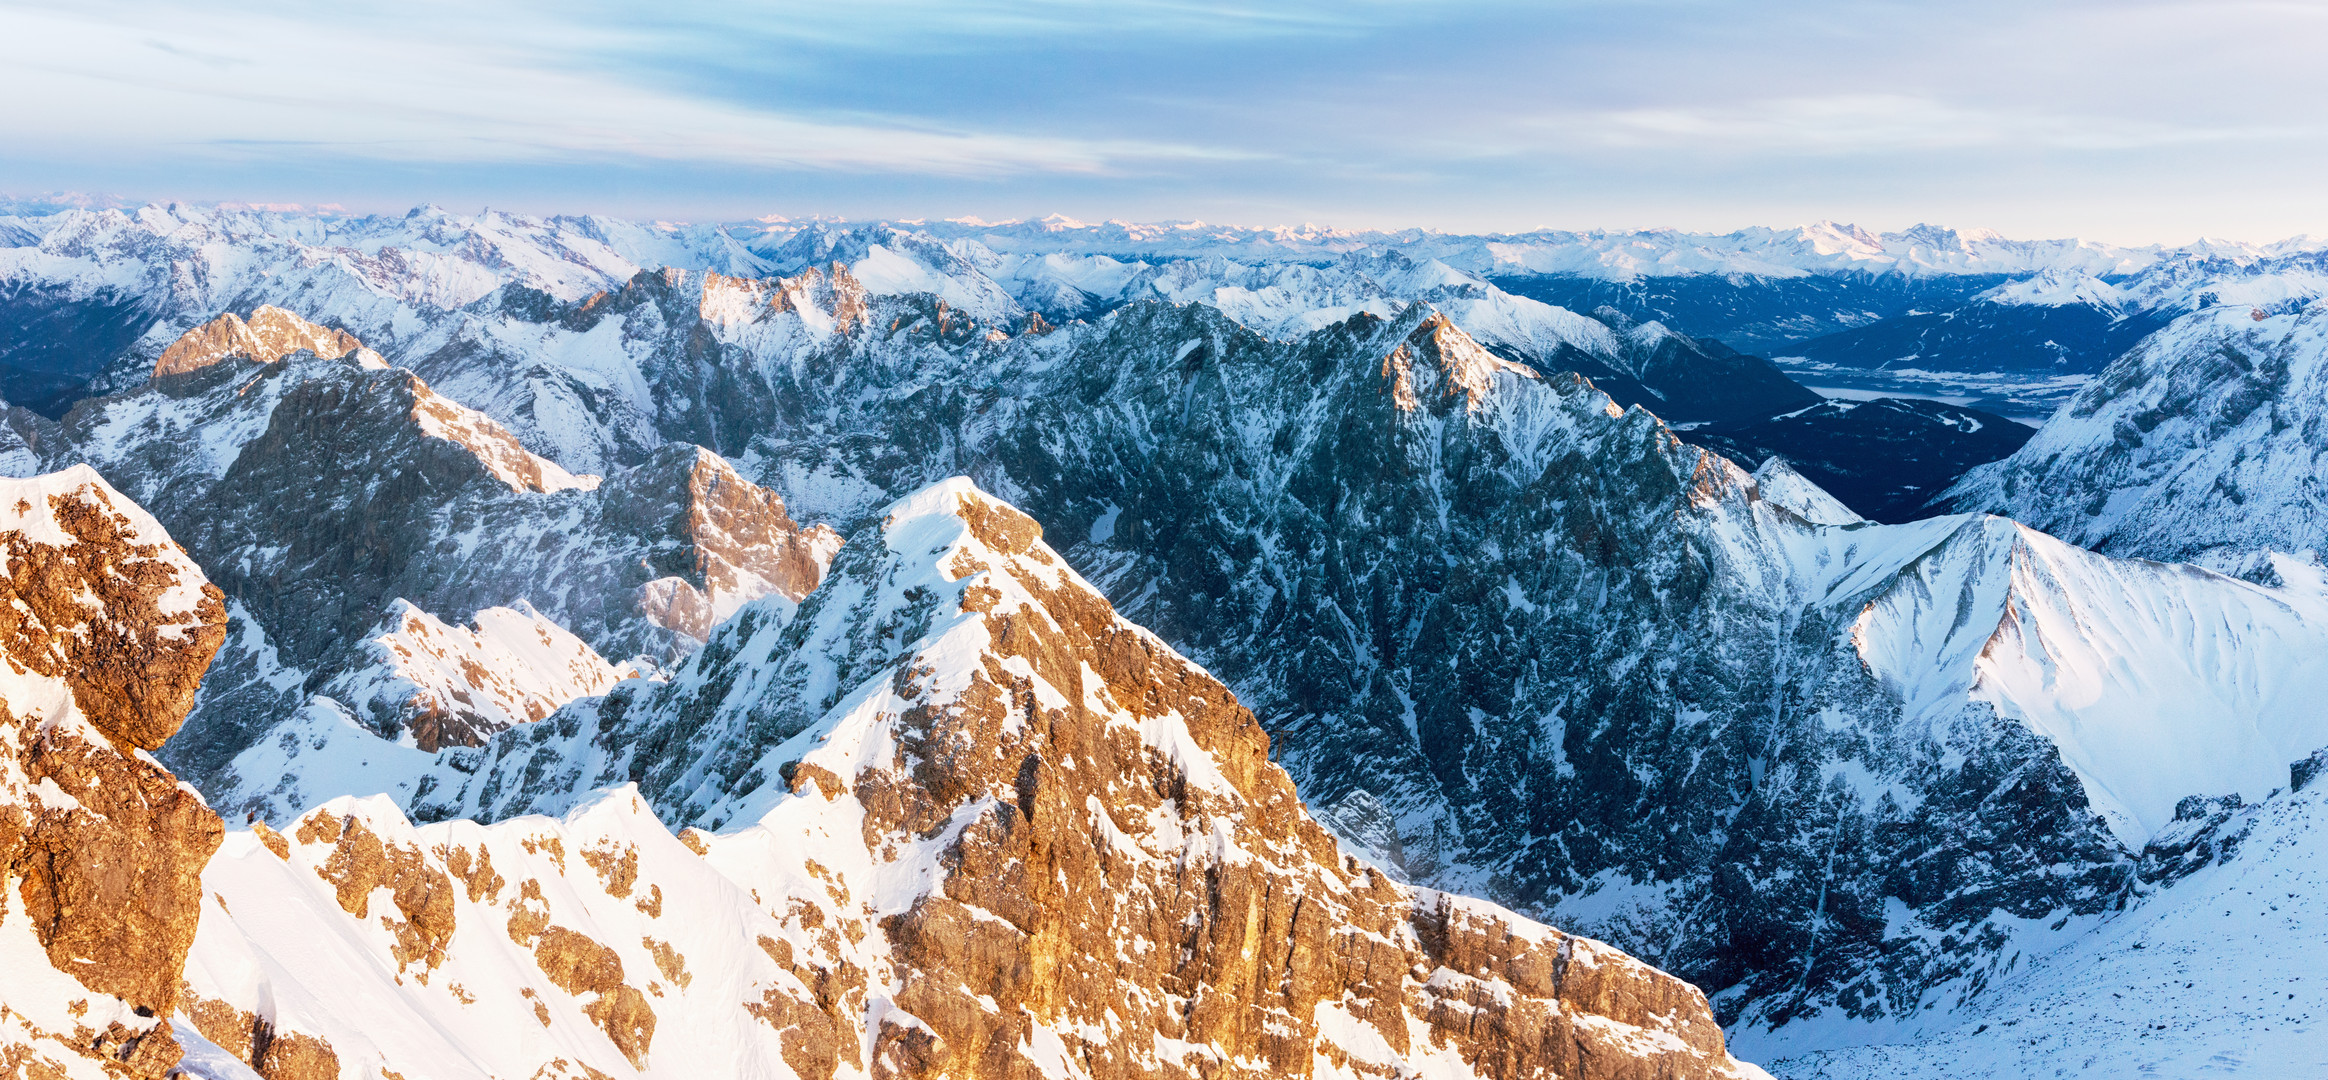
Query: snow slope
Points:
[2217, 974]
[2154, 682]
[450, 685]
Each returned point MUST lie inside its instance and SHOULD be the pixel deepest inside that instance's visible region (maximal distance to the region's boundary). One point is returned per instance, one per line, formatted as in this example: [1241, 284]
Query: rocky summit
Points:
[1020, 837]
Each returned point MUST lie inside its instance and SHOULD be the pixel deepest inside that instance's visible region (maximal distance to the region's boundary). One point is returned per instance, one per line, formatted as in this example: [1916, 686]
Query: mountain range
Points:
[831, 579]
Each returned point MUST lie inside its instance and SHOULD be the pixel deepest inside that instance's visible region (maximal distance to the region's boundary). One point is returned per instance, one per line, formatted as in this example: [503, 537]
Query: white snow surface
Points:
[1781, 485]
[2223, 973]
[274, 936]
[2156, 682]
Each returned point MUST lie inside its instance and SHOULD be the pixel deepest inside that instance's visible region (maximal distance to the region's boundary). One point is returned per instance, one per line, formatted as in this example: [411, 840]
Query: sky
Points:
[2128, 121]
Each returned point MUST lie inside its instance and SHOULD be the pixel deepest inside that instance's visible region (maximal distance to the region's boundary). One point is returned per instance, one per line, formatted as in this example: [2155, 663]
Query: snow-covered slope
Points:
[2154, 682]
[1017, 836]
[2204, 443]
[2277, 279]
[443, 685]
[2217, 973]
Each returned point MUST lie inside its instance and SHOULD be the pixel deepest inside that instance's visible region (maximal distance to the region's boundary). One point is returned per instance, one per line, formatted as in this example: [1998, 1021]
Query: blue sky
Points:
[2124, 121]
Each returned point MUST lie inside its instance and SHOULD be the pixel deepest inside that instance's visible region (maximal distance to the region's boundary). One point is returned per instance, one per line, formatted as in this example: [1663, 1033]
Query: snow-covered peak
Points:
[1780, 485]
[1437, 362]
[2057, 288]
[872, 888]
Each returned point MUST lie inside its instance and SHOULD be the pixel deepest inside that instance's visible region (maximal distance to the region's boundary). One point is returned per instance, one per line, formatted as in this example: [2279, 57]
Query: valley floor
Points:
[2028, 397]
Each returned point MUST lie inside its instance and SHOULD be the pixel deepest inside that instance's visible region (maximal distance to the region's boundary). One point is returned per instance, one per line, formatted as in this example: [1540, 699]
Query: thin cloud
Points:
[290, 85]
[1888, 123]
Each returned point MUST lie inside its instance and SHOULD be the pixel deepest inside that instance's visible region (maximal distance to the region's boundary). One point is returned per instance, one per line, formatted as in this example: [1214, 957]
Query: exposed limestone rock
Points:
[290, 1055]
[270, 334]
[106, 630]
[719, 540]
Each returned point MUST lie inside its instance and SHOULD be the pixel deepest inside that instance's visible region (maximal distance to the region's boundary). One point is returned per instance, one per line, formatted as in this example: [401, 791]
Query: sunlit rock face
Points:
[270, 334]
[106, 631]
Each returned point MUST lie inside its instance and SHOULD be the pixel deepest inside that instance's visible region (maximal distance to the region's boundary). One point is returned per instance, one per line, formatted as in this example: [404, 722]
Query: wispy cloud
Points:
[954, 25]
[1863, 123]
[162, 81]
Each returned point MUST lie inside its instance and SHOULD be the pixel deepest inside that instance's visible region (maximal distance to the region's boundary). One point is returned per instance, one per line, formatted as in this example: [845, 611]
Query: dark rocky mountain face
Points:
[1751, 313]
[1680, 378]
[2070, 339]
[1885, 459]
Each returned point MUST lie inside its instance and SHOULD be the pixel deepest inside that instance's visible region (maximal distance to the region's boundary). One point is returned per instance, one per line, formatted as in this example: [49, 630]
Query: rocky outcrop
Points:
[270, 334]
[718, 540]
[106, 629]
[1015, 836]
